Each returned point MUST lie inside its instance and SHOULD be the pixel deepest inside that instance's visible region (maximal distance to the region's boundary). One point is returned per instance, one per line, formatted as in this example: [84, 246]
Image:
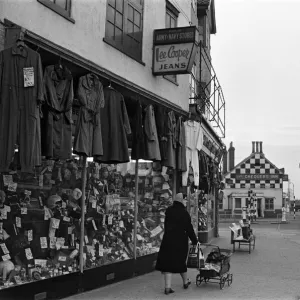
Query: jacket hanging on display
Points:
[57, 140]
[151, 138]
[161, 117]
[88, 136]
[138, 137]
[181, 150]
[21, 91]
[170, 160]
[114, 127]
[203, 169]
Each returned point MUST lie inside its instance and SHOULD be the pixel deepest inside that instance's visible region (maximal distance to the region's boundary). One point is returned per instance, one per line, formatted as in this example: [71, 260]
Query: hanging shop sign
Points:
[210, 147]
[258, 176]
[174, 50]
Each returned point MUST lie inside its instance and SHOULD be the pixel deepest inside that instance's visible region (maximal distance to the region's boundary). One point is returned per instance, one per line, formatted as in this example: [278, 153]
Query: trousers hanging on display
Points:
[57, 125]
[21, 91]
[181, 149]
[88, 136]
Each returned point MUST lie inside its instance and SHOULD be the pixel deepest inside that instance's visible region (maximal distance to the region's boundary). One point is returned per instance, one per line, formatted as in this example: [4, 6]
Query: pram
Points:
[216, 267]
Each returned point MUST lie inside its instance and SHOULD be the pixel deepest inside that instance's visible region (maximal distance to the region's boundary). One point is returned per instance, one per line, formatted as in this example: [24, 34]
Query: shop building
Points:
[255, 182]
[97, 99]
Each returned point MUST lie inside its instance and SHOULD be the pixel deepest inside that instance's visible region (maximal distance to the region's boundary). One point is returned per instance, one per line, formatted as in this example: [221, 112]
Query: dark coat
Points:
[19, 108]
[57, 137]
[88, 136]
[174, 247]
[114, 127]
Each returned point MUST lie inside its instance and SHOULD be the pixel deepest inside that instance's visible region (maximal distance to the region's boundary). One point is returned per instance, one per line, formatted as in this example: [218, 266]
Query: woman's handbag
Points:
[195, 258]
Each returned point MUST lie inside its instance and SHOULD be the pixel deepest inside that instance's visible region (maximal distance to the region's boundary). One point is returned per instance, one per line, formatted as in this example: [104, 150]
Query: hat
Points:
[179, 198]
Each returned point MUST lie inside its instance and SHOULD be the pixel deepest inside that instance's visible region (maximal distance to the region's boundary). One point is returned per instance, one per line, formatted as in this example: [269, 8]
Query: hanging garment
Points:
[194, 141]
[181, 149]
[114, 127]
[170, 160]
[21, 91]
[138, 137]
[88, 136]
[161, 117]
[57, 140]
[151, 138]
[203, 170]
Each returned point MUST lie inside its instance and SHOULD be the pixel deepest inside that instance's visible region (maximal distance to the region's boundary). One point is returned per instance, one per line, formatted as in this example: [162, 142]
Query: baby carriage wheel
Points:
[206, 280]
[198, 280]
[229, 279]
[222, 282]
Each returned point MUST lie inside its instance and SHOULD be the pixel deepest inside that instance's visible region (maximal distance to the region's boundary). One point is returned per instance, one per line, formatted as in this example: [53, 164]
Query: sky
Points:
[256, 56]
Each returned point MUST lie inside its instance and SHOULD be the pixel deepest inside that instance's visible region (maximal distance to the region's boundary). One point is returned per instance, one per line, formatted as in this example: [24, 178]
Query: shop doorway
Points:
[259, 212]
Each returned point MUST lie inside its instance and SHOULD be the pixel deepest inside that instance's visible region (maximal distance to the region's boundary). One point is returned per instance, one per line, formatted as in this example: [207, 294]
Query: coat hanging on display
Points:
[21, 91]
[151, 138]
[57, 124]
[114, 127]
[161, 116]
[138, 137]
[181, 151]
[170, 160]
[88, 136]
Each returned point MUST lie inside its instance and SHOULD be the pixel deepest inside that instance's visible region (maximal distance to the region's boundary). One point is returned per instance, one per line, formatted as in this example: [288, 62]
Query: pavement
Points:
[271, 271]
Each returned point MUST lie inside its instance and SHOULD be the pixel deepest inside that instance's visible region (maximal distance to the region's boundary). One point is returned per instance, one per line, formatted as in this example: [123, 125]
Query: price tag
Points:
[43, 241]
[55, 223]
[110, 218]
[67, 219]
[27, 193]
[28, 253]
[121, 224]
[7, 179]
[6, 257]
[23, 210]
[62, 258]
[12, 187]
[18, 222]
[94, 204]
[52, 242]
[3, 214]
[30, 235]
[4, 248]
[94, 225]
[101, 252]
[86, 239]
[28, 74]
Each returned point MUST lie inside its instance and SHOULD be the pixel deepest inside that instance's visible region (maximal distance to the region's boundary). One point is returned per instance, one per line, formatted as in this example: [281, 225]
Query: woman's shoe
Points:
[169, 291]
[186, 285]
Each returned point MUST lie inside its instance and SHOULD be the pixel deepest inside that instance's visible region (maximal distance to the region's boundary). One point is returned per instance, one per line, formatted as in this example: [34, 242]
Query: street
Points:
[271, 271]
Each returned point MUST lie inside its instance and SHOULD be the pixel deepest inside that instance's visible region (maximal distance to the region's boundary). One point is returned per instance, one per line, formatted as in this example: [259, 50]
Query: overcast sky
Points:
[256, 55]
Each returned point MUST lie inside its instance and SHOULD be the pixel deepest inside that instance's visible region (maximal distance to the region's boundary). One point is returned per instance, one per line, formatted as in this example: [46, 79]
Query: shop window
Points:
[243, 185]
[221, 204]
[272, 186]
[62, 7]
[269, 203]
[252, 185]
[124, 26]
[171, 22]
[238, 203]
[262, 185]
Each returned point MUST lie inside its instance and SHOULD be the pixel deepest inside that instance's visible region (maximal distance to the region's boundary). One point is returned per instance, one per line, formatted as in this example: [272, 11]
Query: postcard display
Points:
[40, 217]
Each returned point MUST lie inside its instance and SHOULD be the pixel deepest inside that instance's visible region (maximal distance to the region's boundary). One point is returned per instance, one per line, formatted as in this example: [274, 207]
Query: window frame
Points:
[65, 13]
[172, 11]
[120, 46]
[235, 202]
[269, 202]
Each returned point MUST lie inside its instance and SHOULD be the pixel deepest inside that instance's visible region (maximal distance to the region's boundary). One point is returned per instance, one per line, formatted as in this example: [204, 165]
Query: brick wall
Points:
[2, 35]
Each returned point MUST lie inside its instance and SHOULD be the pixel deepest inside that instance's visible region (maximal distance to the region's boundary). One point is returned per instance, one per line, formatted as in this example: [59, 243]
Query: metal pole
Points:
[83, 176]
[294, 209]
[136, 204]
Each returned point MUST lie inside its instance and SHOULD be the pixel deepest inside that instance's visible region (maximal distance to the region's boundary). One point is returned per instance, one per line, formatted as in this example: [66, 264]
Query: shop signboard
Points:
[174, 50]
[257, 176]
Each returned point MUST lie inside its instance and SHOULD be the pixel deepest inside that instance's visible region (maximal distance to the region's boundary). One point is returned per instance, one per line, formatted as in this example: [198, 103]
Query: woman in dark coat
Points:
[174, 248]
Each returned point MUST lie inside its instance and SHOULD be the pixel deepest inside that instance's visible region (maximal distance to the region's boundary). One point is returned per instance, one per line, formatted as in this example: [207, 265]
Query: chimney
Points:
[231, 152]
[253, 147]
[261, 148]
[225, 162]
[257, 147]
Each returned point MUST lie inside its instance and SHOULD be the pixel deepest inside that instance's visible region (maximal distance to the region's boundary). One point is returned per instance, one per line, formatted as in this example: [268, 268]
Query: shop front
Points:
[88, 164]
